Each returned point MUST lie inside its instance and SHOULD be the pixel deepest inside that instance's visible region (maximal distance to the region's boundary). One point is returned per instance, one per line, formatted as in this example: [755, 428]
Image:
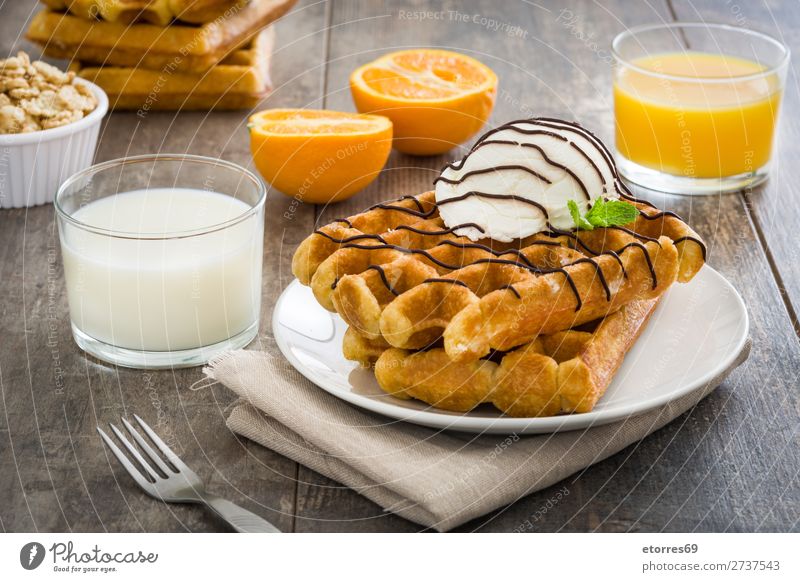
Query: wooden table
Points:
[731, 464]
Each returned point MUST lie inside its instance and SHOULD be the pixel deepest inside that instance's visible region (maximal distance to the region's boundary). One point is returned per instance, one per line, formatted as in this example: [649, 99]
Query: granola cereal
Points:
[37, 95]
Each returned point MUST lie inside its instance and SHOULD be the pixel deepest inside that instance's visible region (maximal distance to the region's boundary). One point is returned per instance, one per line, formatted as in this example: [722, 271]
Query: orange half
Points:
[436, 99]
[319, 156]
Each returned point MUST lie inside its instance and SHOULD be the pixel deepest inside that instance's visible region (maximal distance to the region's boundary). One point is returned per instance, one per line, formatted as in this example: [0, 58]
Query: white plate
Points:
[696, 332]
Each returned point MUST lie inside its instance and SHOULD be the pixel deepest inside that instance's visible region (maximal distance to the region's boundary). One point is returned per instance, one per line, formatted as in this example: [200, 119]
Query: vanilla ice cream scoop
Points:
[517, 179]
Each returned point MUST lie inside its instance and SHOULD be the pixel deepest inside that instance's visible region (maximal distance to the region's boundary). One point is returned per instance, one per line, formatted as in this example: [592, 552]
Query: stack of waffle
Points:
[165, 54]
[536, 327]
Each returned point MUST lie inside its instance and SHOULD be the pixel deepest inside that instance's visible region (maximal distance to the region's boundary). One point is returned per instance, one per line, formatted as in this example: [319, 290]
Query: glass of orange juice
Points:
[696, 106]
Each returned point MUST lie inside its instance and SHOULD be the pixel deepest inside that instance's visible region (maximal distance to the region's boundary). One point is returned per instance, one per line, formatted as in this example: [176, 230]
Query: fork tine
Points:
[168, 452]
[134, 453]
[132, 471]
[143, 444]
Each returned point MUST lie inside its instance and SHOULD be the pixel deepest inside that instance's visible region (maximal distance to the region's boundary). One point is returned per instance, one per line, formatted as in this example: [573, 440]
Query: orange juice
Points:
[717, 120]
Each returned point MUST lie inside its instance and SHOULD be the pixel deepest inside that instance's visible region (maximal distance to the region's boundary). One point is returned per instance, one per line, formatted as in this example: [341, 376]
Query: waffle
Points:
[158, 12]
[565, 372]
[171, 49]
[240, 81]
[394, 273]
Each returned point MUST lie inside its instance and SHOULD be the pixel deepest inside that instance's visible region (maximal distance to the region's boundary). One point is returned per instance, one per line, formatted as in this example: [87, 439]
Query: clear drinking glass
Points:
[162, 258]
[697, 120]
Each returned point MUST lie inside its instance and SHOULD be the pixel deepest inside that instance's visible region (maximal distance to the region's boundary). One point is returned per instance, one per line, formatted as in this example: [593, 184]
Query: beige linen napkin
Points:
[438, 479]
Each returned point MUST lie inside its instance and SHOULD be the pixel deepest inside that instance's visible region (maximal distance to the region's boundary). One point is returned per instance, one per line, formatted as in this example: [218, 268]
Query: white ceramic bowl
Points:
[33, 165]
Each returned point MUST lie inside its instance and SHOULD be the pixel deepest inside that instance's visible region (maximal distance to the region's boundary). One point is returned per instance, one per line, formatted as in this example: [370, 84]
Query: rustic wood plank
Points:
[54, 473]
[698, 473]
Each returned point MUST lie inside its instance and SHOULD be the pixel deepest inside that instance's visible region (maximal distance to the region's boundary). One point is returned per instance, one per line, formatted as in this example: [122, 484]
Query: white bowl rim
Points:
[54, 133]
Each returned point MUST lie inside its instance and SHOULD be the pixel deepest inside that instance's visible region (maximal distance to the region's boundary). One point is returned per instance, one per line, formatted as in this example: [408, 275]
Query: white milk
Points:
[163, 295]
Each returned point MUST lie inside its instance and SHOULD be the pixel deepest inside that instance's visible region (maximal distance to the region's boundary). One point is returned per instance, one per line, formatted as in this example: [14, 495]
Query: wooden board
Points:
[729, 465]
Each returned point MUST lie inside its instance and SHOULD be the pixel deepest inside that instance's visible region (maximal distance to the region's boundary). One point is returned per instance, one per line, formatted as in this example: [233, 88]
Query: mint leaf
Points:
[611, 213]
[579, 220]
[603, 213]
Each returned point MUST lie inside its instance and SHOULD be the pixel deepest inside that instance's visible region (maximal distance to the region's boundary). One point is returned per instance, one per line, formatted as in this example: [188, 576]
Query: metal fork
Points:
[178, 484]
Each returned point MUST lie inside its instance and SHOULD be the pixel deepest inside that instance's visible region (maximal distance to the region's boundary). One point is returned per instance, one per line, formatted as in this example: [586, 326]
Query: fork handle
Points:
[240, 519]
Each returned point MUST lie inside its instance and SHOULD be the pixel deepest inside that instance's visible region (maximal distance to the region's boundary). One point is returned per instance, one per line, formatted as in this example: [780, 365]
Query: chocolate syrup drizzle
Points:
[471, 245]
[495, 197]
[657, 215]
[526, 169]
[512, 289]
[380, 239]
[552, 232]
[383, 276]
[442, 280]
[442, 231]
[636, 234]
[458, 165]
[599, 273]
[349, 239]
[511, 126]
[558, 124]
[527, 266]
[693, 239]
[421, 213]
[649, 261]
[662, 213]
[619, 186]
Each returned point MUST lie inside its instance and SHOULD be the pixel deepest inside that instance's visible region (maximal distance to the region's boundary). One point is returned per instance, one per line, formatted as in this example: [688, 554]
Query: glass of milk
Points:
[162, 258]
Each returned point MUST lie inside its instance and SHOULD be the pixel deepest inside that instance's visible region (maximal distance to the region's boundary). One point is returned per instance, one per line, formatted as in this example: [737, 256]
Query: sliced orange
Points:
[436, 99]
[319, 156]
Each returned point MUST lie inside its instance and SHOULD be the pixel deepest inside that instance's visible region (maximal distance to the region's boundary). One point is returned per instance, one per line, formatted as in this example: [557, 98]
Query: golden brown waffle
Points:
[240, 81]
[203, 11]
[361, 349]
[170, 49]
[565, 372]
[395, 273]
[159, 12]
